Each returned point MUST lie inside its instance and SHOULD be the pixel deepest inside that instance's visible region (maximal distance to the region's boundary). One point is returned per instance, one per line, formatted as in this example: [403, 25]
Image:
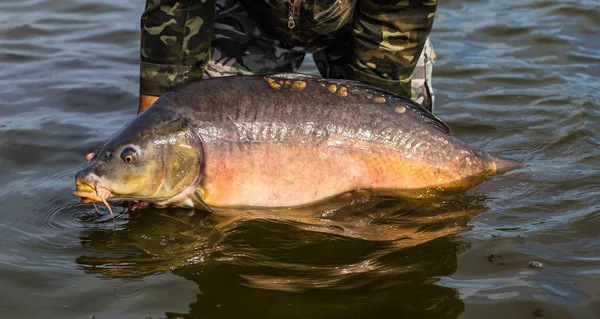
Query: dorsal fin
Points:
[295, 76]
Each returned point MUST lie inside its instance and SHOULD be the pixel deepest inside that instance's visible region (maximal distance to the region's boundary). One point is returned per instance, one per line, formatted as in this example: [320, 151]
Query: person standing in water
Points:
[379, 42]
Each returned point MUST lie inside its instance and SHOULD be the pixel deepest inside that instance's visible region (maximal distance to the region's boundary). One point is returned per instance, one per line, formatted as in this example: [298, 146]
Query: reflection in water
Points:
[517, 78]
[374, 256]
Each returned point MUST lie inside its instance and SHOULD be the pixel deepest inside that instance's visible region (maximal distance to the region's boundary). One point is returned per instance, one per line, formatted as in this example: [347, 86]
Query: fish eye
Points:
[129, 155]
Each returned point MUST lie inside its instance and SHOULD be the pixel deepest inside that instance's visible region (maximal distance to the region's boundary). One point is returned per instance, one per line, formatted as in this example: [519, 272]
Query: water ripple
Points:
[514, 78]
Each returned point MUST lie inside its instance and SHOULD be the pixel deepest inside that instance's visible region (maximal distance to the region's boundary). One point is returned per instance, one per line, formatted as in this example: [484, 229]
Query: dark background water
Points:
[517, 78]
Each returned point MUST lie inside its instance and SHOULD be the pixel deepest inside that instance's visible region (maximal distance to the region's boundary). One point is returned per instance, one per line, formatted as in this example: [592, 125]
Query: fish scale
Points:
[281, 140]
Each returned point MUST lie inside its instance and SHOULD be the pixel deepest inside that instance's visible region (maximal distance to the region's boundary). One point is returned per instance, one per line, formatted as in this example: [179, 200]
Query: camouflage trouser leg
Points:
[331, 61]
[239, 48]
[422, 90]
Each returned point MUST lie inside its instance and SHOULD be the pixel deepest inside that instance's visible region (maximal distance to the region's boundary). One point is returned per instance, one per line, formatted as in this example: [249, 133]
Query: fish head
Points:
[153, 159]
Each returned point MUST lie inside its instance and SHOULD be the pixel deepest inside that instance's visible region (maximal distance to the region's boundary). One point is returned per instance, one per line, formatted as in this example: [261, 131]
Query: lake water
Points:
[517, 78]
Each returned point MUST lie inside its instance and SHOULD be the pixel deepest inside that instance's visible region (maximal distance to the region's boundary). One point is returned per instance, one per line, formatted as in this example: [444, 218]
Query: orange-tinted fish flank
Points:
[299, 174]
[281, 140]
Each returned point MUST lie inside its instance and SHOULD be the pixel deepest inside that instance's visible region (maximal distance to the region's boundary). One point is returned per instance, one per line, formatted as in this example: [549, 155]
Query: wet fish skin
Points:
[285, 140]
[169, 159]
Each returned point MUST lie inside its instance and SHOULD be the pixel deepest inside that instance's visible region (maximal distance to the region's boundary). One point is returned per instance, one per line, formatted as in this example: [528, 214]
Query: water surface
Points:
[514, 78]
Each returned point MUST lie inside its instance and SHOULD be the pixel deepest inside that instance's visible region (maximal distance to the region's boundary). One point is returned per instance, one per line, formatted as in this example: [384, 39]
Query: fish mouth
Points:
[90, 194]
[93, 194]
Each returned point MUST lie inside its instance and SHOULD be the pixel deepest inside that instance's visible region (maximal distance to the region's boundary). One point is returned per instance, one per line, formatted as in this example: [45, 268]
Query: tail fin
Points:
[505, 165]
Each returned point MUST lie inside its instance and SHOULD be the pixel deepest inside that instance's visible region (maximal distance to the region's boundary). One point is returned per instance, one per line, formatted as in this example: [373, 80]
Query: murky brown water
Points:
[514, 78]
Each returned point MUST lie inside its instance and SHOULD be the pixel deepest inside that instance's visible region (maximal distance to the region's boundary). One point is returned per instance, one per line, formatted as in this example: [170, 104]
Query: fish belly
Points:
[271, 174]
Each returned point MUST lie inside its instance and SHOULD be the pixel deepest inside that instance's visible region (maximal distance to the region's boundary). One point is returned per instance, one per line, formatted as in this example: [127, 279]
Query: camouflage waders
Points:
[239, 47]
[382, 43]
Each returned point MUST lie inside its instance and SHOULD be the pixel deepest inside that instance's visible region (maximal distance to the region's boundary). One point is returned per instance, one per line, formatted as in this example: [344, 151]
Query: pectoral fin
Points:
[196, 197]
